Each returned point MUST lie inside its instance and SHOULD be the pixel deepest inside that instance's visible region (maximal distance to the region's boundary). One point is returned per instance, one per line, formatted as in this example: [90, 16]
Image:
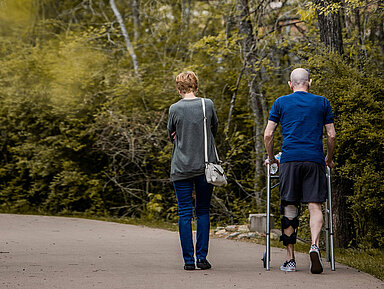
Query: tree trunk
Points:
[126, 37]
[257, 100]
[136, 18]
[331, 37]
[380, 35]
[230, 23]
[245, 27]
[342, 221]
[233, 100]
[330, 27]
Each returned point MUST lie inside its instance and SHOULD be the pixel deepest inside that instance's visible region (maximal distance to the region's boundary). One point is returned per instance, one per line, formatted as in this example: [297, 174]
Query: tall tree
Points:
[329, 24]
[249, 55]
[136, 18]
[128, 42]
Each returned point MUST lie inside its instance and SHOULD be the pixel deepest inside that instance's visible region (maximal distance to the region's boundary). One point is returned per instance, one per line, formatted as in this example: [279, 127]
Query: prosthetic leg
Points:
[294, 223]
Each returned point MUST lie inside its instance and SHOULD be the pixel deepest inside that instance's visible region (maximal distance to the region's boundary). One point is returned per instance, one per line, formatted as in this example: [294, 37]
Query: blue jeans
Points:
[203, 192]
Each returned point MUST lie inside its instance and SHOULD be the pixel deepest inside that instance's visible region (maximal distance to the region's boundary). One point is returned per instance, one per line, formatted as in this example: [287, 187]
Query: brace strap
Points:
[285, 222]
[288, 239]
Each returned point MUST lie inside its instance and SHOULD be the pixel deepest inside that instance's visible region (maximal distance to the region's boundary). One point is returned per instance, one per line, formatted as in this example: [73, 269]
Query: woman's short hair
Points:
[187, 82]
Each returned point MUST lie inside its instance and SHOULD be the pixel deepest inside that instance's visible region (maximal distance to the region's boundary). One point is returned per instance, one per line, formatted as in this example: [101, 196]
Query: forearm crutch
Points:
[267, 254]
[329, 224]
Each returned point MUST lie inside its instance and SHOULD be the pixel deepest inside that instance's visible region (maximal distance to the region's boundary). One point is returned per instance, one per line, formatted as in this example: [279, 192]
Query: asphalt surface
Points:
[68, 253]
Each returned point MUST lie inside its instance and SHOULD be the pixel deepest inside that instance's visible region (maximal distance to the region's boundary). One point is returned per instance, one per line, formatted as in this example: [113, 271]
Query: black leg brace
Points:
[286, 223]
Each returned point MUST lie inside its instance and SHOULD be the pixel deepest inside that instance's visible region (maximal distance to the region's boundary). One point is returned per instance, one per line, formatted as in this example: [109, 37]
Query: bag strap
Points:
[205, 137]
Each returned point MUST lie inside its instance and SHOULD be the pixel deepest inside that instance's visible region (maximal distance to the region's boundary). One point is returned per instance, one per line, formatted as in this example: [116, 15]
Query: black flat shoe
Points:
[203, 264]
[189, 266]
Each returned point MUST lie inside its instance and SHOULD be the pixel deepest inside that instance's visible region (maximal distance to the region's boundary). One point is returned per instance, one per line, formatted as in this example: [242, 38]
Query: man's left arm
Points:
[268, 141]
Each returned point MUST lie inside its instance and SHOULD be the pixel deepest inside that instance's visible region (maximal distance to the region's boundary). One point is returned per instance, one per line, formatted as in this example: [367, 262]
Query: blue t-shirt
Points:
[302, 116]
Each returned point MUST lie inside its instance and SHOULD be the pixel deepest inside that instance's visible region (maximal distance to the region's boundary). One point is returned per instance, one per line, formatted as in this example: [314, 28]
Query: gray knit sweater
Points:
[187, 120]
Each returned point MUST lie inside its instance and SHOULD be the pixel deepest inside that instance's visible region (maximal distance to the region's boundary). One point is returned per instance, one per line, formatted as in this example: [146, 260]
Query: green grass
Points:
[370, 261]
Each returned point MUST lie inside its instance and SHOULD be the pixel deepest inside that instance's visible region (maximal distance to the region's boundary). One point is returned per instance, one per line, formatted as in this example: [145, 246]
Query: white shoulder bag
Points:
[214, 173]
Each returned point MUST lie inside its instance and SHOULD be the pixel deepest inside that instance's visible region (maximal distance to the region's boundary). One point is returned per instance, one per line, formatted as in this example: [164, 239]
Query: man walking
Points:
[302, 165]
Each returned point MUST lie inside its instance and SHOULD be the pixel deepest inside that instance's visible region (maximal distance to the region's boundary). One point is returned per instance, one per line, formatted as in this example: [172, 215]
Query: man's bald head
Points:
[299, 75]
[299, 80]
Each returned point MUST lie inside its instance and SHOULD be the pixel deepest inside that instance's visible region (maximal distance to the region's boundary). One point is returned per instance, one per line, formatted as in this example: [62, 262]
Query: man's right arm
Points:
[268, 141]
[331, 143]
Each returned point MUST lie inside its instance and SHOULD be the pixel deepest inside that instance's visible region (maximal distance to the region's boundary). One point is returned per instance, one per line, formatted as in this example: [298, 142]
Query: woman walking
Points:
[186, 131]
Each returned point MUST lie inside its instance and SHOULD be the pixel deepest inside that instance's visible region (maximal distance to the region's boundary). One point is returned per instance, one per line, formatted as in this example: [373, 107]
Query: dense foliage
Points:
[82, 131]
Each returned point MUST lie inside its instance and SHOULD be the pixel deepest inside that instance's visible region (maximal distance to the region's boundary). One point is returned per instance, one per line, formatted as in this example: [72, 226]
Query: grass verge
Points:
[370, 261]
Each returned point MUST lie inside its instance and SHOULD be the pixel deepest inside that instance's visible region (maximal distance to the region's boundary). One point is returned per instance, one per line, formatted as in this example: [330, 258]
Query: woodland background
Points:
[85, 87]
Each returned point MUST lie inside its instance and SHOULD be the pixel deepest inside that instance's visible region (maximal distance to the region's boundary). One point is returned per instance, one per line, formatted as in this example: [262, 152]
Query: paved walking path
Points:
[67, 253]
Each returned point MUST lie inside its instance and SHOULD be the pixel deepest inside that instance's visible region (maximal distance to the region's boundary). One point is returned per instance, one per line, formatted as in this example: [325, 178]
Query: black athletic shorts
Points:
[303, 182]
